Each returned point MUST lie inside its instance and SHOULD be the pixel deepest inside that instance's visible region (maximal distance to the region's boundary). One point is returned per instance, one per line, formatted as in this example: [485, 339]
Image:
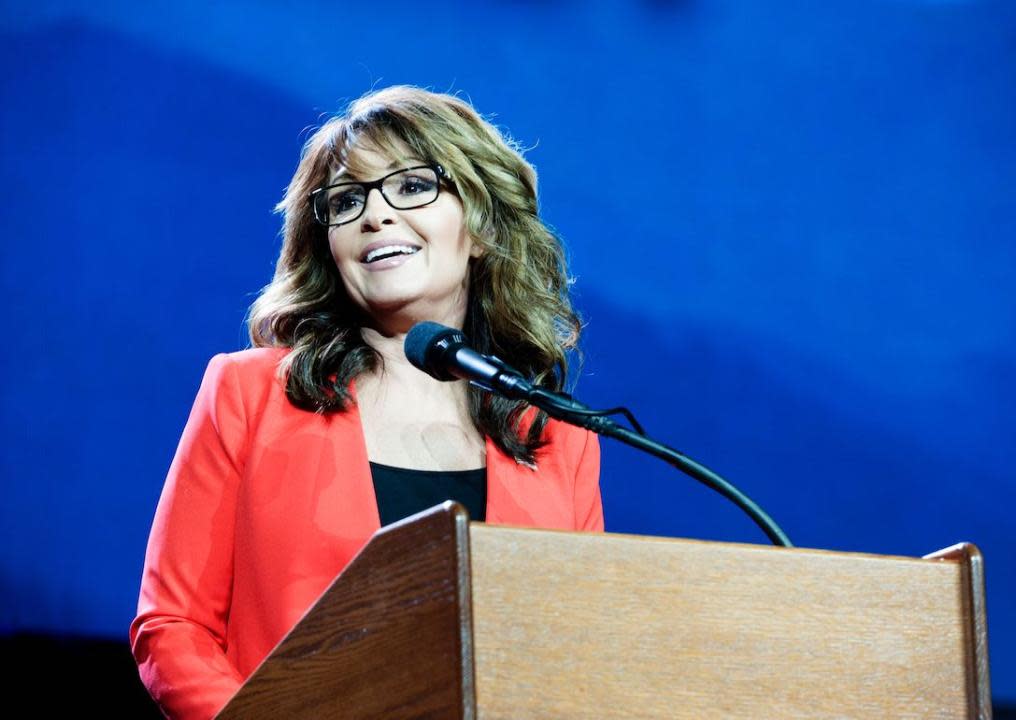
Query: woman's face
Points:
[403, 266]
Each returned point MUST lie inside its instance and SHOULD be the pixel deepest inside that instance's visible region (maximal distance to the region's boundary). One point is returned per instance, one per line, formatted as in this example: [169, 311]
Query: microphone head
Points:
[427, 346]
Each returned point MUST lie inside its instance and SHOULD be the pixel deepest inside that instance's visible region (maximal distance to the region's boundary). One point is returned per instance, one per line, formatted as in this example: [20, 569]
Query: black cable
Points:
[569, 410]
[444, 353]
[578, 408]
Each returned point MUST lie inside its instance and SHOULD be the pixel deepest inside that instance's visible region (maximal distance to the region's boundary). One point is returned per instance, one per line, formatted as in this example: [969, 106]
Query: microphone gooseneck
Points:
[444, 353]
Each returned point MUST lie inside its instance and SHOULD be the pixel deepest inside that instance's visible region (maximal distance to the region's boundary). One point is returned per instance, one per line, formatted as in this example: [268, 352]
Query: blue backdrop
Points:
[792, 225]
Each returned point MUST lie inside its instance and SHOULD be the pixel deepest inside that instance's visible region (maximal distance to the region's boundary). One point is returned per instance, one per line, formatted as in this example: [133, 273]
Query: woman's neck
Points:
[396, 376]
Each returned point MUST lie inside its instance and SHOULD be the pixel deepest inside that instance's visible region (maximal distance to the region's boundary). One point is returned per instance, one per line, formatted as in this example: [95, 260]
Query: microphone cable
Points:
[444, 354]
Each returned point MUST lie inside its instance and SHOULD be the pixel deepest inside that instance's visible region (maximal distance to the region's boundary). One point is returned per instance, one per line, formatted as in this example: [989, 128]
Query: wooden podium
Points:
[440, 618]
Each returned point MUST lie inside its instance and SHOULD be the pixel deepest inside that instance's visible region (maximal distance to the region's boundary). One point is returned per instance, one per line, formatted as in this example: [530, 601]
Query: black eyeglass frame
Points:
[442, 175]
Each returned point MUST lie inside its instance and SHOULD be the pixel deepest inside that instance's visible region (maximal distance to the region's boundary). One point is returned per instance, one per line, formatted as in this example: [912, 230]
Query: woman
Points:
[409, 207]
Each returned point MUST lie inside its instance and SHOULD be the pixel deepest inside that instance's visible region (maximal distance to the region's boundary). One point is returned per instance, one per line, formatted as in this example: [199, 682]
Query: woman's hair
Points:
[518, 306]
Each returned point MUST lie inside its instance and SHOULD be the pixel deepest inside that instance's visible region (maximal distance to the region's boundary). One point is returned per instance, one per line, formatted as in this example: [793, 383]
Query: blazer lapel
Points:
[506, 501]
[360, 501]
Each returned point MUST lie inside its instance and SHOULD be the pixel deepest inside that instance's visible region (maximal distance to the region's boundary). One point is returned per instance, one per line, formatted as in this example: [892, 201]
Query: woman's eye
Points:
[415, 185]
[345, 201]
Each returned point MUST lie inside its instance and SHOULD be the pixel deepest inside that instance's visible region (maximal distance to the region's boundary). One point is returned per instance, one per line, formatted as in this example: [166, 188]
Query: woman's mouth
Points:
[383, 257]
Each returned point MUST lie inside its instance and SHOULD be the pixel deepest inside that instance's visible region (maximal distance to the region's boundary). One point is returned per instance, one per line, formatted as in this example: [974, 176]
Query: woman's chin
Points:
[398, 309]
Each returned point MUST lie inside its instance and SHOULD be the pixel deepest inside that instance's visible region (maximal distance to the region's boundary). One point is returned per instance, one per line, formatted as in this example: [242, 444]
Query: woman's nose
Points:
[376, 211]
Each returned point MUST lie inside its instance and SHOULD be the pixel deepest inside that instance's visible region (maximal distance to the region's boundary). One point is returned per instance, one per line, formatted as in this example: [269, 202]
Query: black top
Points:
[401, 492]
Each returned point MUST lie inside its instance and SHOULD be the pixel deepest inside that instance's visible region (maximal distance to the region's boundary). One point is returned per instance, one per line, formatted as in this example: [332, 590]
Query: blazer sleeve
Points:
[179, 635]
[588, 504]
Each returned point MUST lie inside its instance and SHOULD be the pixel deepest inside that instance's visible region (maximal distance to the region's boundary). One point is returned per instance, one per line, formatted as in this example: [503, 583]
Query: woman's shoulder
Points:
[253, 360]
[247, 370]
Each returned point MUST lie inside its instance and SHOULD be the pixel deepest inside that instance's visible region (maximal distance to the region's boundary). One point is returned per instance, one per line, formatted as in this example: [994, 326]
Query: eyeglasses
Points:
[403, 189]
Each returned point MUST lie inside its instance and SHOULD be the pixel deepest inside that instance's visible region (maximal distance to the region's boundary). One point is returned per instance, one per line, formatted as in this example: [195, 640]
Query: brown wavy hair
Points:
[518, 306]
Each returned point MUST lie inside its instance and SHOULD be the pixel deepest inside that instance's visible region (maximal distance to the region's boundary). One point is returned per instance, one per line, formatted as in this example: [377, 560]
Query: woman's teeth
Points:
[389, 251]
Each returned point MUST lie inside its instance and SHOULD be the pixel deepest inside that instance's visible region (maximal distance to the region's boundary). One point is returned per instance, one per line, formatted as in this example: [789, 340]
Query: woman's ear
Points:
[476, 248]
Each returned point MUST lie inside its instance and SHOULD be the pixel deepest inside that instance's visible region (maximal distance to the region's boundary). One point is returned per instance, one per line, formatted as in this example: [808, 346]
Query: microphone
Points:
[444, 354]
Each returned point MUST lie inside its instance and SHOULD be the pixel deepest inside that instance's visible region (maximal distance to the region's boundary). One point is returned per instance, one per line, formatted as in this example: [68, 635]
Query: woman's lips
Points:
[388, 263]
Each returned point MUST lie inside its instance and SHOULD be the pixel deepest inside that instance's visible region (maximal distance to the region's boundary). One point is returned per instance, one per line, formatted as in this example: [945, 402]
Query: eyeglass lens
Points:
[402, 190]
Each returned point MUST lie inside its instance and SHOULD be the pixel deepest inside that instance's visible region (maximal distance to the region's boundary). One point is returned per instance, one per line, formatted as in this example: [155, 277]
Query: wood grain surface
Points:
[389, 639]
[613, 626]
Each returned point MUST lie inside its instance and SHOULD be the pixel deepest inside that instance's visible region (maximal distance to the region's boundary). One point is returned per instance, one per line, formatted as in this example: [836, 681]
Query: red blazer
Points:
[265, 504]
